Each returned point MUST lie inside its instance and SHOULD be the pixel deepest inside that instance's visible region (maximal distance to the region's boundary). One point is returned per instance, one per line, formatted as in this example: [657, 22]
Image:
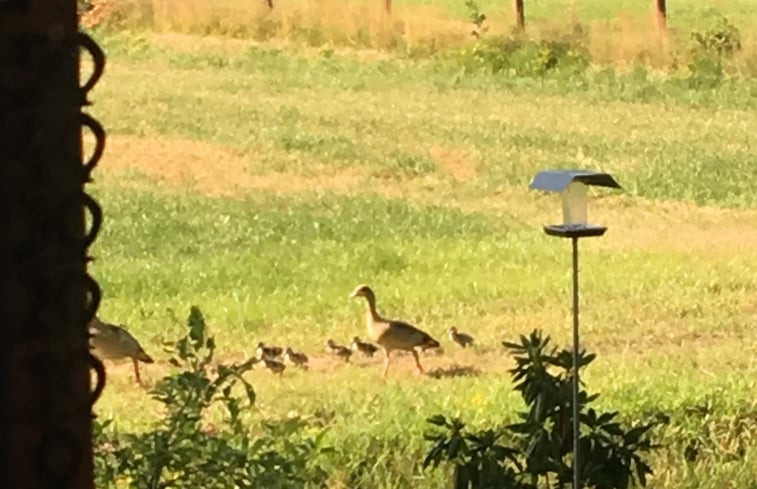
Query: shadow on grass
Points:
[454, 371]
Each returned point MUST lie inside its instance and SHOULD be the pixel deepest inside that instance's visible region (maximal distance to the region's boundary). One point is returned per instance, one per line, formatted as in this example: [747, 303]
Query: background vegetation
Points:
[263, 174]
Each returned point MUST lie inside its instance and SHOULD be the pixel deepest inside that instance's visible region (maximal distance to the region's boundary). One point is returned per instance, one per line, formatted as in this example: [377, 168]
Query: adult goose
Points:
[391, 334]
[274, 366]
[111, 342]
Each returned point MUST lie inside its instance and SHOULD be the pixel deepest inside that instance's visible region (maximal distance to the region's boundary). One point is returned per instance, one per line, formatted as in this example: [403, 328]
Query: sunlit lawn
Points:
[264, 188]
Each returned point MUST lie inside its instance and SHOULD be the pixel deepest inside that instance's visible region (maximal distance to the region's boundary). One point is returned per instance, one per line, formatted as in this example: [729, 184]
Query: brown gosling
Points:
[338, 350]
[111, 342]
[274, 366]
[390, 334]
[367, 349]
[462, 339]
[296, 358]
[268, 352]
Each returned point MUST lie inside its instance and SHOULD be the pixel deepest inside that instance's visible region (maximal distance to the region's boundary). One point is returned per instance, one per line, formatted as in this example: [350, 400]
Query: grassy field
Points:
[263, 182]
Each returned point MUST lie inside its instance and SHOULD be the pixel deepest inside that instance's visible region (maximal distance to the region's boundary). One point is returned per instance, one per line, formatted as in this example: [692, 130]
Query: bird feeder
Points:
[573, 186]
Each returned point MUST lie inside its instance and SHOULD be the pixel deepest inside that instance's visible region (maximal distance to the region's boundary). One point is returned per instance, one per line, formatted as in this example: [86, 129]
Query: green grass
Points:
[415, 181]
[684, 12]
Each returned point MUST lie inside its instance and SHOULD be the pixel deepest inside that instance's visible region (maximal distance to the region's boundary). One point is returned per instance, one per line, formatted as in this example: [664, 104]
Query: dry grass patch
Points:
[676, 226]
[454, 161]
[635, 223]
[628, 40]
[175, 165]
[181, 165]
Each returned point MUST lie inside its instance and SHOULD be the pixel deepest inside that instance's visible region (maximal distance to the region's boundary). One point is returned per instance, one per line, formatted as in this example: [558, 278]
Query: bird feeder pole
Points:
[573, 186]
[576, 425]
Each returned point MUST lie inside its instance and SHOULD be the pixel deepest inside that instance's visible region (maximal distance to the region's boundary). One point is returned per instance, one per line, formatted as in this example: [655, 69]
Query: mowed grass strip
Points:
[296, 115]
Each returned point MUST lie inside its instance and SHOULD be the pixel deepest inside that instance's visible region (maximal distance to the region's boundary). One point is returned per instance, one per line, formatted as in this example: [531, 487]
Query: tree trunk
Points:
[46, 296]
[388, 6]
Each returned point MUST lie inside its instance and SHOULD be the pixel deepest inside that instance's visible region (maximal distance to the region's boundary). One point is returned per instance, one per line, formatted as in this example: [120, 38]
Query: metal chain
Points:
[59, 453]
[89, 203]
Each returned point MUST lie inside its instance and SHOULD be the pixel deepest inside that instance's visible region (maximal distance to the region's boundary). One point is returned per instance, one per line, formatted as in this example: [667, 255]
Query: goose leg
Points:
[418, 365]
[136, 371]
[386, 364]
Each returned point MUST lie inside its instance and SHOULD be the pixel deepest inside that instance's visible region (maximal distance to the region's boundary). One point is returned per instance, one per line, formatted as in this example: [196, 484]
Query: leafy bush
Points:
[540, 446]
[525, 58]
[521, 58]
[183, 451]
[710, 47]
[518, 56]
[721, 39]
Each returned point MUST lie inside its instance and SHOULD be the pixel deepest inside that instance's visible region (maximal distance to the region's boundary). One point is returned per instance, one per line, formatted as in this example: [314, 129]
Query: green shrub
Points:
[525, 58]
[710, 47]
[721, 39]
[537, 452]
[184, 451]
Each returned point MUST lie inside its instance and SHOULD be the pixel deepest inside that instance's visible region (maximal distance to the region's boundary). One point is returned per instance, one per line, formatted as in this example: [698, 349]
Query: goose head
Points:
[362, 291]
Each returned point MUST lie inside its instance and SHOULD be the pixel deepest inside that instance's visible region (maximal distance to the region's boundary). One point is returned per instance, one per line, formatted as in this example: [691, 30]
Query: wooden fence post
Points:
[661, 14]
[520, 15]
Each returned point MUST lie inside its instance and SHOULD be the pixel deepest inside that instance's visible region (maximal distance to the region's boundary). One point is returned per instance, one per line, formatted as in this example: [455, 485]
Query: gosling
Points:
[338, 350]
[462, 339]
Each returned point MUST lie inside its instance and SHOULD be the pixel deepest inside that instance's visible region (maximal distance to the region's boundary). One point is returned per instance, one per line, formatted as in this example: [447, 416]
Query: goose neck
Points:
[370, 308]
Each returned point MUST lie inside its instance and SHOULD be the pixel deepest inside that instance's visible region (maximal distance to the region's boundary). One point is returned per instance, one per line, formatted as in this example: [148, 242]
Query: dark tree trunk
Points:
[46, 296]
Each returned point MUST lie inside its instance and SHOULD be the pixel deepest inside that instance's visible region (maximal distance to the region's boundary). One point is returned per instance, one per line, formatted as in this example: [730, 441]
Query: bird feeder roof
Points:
[558, 180]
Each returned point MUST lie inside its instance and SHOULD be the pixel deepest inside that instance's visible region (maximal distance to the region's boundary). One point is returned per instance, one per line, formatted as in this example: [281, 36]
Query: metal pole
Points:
[576, 425]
